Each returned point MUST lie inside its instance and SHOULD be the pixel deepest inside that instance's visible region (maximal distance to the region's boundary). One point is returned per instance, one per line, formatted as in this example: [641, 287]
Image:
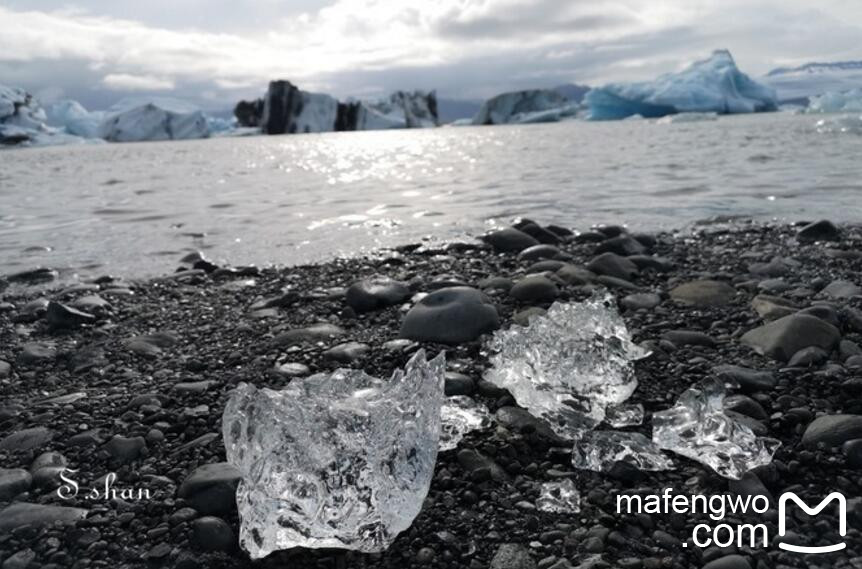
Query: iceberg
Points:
[286, 109]
[23, 121]
[836, 102]
[74, 118]
[341, 460]
[697, 428]
[152, 122]
[399, 110]
[568, 365]
[460, 415]
[711, 85]
[522, 107]
[600, 450]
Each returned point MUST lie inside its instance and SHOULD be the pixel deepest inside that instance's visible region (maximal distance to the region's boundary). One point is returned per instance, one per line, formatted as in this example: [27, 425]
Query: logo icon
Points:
[842, 522]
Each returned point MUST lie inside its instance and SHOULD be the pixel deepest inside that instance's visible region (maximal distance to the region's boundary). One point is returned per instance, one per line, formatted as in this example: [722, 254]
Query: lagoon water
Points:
[134, 209]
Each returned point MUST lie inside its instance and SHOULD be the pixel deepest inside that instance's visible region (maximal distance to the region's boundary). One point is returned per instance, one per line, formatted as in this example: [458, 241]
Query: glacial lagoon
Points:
[304, 198]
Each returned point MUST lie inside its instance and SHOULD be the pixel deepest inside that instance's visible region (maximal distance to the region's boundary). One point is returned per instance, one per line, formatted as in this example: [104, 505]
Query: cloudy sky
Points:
[216, 51]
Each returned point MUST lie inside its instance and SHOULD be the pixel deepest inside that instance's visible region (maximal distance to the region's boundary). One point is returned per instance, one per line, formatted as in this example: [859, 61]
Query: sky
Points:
[218, 51]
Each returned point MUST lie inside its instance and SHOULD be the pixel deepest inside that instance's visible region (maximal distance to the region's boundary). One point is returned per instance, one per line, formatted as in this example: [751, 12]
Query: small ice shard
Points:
[460, 415]
[341, 460]
[599, 450]
[697, 428]
[624, 415]
[568, 365]
[559, 498]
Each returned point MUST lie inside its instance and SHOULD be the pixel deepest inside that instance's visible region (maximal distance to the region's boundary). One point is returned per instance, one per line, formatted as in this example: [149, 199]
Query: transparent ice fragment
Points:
[341, 460]
[624, 415]
[599, 450]
[559, 498]
[697, 428]
[460, 415]
[568, 365]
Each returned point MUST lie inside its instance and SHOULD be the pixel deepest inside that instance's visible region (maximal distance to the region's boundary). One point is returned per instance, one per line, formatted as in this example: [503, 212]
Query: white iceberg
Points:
[152, 122]
[399, 110]
[711, 85]
[23, 122]
[522, 107]
[286, 109]
[836, 102]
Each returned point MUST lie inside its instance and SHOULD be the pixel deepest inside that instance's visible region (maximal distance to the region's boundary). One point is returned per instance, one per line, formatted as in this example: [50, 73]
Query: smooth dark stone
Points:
[833, 430]
[703, 293]
[376, 293]
[781, 339]
[823, 230]
[509, 240]
[211, 488]
[535, 289]
[613, 265]
[450, 316]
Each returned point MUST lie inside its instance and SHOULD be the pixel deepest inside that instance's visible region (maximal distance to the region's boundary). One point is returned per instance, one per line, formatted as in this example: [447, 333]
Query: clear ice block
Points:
[341, 460]
[599, 450]
[559, 498]
[697, 428]
[567, 366]
[625, 415]
[460, 415]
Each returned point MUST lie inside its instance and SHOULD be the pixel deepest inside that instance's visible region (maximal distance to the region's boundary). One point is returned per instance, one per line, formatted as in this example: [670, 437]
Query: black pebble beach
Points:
[131, 377]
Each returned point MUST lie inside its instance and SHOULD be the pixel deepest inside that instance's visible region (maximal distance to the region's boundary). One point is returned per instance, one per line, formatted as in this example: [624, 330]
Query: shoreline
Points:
[142, 387]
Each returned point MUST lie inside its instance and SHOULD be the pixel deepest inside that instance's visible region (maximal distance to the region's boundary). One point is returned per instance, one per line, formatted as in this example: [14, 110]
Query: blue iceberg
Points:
[711, 85]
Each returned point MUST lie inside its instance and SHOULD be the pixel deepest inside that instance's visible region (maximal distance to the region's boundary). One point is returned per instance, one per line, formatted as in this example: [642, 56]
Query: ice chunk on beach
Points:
[836, 102]
[522, 107]
[459, 416]
[559, 498]
[711, 85]
[697, 428]
[341, 460]
[152, 122]
[624, 415]
[568, 365]
[599, 450]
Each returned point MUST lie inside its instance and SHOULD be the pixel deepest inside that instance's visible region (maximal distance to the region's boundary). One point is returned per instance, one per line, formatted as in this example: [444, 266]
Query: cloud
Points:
[127, 82]
[465, 48]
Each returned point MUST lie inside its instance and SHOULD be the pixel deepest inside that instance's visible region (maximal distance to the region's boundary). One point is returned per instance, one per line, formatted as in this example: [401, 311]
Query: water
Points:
[134, 209]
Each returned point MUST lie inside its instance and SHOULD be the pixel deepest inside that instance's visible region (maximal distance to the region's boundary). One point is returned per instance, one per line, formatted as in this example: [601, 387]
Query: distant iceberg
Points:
[152, 122]
[523, 107]
[23, 122]
[712, 85]
[837, 102]
[286, 109]
[74, 118]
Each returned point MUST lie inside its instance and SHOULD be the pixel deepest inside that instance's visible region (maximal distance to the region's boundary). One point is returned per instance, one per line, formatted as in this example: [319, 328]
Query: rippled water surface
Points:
[133, 209]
